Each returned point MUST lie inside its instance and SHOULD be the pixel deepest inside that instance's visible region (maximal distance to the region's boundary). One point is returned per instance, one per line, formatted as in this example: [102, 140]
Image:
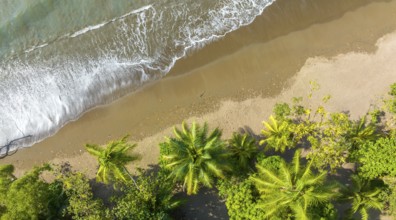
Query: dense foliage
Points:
[377, 159]
[28, 197]
[254, 183]
[152, 199]
[392, 101]
[365, 194]
[292, 189]
[243, 149]
[241, 199]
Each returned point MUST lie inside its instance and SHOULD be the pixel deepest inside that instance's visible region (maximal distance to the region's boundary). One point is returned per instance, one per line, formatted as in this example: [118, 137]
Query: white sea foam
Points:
[47, 88]
[93, 27]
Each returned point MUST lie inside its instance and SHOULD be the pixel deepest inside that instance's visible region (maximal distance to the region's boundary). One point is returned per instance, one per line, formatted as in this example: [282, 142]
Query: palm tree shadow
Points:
[205, 205]
[104, 192]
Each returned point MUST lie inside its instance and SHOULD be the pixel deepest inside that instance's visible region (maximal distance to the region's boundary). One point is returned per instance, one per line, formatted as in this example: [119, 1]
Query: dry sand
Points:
[346, 46]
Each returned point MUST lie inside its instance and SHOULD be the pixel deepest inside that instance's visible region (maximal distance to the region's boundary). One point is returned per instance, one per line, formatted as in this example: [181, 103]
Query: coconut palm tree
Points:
[360, 133]
[112, 160]
[277, 135]
[243, 148]
[194, 157]
[365, 195]
[293, 189]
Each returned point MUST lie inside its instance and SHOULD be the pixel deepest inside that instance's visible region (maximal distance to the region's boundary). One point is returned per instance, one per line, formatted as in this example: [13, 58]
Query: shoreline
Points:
[217, 92]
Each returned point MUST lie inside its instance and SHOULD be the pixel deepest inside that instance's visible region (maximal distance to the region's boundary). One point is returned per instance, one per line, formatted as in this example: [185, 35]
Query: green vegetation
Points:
[365, 195]
[392, 102]
[254, 182]
[377, 159]
[28, 197]
[243, 149]
[241, 199]
[80, 200]
[112, 160]
[292, 189]
[277, 135]
[153, 199]
[194, 157]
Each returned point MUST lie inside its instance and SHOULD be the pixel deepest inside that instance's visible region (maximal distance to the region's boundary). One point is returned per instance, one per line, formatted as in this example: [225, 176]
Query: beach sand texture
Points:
[348, 47]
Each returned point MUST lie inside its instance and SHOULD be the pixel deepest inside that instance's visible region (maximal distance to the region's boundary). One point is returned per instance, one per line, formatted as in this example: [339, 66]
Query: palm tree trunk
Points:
[133, 180]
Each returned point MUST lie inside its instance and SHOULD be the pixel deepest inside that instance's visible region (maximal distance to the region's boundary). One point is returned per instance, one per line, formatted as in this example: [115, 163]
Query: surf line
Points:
[93, 27]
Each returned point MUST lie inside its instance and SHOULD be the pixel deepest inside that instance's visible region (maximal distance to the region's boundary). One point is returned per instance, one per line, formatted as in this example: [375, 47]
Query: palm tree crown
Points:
[113, 159]
[242, 147]
[277, 135]
[194, 157]
[292, 188]
[365, 195]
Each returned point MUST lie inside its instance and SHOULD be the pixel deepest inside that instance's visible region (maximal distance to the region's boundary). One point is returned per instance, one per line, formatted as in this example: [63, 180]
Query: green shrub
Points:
[153, 199]
[377, 159]
[28, 197]
[281, 111]
[80, 199]
[241, 199]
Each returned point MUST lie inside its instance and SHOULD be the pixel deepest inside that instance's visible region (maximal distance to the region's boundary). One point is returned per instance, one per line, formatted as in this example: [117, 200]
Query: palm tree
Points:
[365, 195]
[243, 148]
[277, 135]
[194, 157]
[292, 188]
[113, 159]
[360, 132]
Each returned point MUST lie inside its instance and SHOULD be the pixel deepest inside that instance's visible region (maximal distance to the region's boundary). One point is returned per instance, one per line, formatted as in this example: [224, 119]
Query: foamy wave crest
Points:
[43, 89]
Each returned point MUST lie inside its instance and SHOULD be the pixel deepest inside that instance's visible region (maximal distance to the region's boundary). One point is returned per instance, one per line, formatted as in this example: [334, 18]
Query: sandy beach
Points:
[347, 47]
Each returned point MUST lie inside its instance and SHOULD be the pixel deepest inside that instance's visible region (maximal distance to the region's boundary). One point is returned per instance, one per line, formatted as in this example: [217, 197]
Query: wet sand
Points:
[234, 82]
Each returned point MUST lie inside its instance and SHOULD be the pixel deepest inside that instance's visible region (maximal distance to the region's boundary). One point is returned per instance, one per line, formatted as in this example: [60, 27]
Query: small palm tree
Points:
[194, 157]
[277, 135]
[113, 159]
[243, 148]
[360, 132]
[365, 195]
[292, 188]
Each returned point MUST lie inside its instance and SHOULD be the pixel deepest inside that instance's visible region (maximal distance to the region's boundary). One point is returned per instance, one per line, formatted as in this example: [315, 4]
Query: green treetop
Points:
[112, 160]
[194, 157]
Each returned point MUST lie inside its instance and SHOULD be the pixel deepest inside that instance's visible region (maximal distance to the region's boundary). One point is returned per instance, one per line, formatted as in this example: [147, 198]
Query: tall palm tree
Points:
[277, 135]
[292, 188]
[194, 157]
[243, 148]
[113, 159]
[365, 195]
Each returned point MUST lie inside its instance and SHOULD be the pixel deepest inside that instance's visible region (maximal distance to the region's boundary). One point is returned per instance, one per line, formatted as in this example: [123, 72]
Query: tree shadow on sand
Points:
[205, 205]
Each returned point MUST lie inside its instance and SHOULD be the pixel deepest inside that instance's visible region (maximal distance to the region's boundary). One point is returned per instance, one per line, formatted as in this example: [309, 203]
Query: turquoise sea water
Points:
[61, 58]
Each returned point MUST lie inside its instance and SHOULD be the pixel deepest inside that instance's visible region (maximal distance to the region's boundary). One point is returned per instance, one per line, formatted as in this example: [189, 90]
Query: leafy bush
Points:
[81, 203]
[393, 90]
[241, 199]
[272, 163]
[377, 159]
[28, 197]
[282, 111]
[153, 199]
[392, 102]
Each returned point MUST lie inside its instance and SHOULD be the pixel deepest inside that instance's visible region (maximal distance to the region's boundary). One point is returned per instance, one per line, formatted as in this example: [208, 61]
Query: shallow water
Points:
[62, 58]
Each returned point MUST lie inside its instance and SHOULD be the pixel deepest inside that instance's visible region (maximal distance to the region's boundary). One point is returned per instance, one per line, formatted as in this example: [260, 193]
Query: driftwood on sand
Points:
[5, 150]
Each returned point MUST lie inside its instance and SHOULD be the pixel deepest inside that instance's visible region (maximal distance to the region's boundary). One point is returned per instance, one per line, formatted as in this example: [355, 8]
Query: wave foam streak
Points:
[46, 87]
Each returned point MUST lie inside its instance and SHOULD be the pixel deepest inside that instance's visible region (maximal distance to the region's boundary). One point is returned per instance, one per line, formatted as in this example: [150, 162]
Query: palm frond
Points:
[269, 174]
[94, 149]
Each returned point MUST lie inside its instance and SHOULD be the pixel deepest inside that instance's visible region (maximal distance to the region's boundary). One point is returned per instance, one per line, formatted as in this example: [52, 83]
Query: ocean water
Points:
[58, 58]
